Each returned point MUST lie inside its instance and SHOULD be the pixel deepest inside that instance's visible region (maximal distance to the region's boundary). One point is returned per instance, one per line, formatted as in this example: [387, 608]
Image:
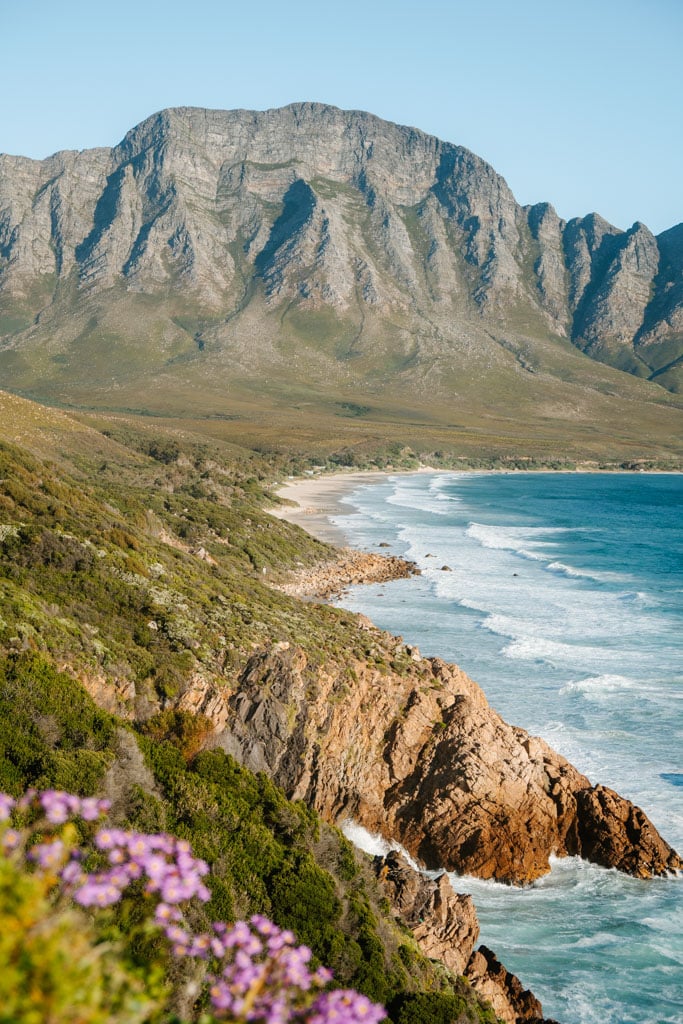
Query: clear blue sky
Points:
[574, 102]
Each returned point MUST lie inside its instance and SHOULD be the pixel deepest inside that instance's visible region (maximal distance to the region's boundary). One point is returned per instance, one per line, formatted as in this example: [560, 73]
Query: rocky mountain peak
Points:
[330, 210]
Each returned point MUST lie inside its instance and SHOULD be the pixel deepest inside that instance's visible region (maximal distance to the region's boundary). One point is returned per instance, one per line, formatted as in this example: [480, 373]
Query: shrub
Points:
[53, 968]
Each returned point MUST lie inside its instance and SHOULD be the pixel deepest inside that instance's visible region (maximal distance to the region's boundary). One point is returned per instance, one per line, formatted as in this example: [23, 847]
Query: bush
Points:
[436, 1008]
[51, 965]
[53, 969]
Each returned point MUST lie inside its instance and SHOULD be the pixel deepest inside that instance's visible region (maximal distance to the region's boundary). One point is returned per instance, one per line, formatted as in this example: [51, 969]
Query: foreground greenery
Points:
[134, 560]
[267, 854]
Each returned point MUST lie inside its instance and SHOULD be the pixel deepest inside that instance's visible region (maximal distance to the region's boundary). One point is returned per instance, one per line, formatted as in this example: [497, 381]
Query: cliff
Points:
[419, 757]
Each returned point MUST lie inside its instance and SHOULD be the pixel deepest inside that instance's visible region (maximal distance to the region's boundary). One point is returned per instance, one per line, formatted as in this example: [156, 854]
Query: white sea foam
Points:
[585, 574]
[538, 648]
[369, 842]
[637, 597]
[420, 500]
[601, 687]
[377, 846]
[568, 570]
[519, 539]
[475, 606]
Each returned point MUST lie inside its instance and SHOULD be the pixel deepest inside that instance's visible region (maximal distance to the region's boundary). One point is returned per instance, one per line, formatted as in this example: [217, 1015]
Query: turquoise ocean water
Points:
[565, 602]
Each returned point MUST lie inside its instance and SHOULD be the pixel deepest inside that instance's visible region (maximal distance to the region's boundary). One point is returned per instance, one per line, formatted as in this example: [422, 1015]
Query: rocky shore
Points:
[329, 578]
[445, 926]
[419, 757]
[416, 754]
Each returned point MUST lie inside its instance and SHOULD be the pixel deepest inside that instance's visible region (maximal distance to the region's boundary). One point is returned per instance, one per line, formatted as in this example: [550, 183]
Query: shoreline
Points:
[327, 495]
[319, 498]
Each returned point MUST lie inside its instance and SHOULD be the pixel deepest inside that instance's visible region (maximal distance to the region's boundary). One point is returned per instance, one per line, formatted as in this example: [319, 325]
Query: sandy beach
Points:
[319, 497]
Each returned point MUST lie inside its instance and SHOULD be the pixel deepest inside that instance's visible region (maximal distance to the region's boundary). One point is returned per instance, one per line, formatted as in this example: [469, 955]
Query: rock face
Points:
[422, 759]
[405, 243]
[504, 991]
[445, 926]
[443, 922]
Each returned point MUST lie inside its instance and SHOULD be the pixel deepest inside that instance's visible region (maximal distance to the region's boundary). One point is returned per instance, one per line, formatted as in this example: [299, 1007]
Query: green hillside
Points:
[96, 544]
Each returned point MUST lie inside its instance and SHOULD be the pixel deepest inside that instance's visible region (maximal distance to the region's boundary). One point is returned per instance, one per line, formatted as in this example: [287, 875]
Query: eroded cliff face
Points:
[422, 759]
[394, 234]
[445, 925]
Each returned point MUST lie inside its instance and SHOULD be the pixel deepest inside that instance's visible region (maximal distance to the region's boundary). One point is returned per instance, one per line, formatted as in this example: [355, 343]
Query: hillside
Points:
[328, 277]
[139, 563]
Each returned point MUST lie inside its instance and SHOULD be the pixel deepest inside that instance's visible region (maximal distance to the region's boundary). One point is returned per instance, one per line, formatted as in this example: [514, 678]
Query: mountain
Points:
[227, 262]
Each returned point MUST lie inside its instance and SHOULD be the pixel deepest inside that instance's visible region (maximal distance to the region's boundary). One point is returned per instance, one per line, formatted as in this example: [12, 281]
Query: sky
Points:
[576, 103]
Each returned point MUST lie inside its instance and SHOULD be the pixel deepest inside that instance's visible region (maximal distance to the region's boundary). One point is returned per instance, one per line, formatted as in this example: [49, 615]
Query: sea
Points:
[561, 594]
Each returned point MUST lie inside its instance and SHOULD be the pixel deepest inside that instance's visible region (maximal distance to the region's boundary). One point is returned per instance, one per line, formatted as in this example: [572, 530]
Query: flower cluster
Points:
[258, 973]
[58, 807]
[267, 978]
[164, 862]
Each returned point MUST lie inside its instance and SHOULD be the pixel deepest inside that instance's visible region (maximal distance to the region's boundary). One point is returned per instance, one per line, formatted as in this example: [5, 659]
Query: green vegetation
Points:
[52, 966]
[267, 854]
[135, 560]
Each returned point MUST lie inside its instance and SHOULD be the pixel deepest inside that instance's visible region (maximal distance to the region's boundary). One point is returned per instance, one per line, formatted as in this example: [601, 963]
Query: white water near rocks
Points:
[562, 598]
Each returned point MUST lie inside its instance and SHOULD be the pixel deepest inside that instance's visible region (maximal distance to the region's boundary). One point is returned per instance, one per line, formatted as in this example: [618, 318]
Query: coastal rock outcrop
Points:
[503, 990]
[351, 567]
[420, 757]
[443, 922]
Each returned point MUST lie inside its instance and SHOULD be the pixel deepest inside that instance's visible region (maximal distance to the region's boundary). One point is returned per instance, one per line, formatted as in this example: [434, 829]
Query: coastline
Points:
[317, 499]
[574, 886]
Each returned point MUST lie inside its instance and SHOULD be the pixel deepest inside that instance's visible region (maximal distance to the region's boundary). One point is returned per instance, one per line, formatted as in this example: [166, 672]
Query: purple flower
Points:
[164, 913]
[344, 1007]
[97, 893]
[174, 933]
[11, 840]
[6, 804]
[92, 808]
[27, 800]
[48, 856]
[72, 873]
[58, 806]
[108, 838]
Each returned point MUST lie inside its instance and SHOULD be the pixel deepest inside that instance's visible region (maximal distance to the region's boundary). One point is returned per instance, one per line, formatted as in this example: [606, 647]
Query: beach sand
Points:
[319, 497]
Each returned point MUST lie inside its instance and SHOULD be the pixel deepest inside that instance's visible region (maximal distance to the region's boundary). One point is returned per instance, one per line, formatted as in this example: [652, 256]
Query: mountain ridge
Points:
[310, 247]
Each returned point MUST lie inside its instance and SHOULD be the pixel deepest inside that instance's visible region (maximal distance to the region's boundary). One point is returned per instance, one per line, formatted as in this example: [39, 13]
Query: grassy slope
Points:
[289, 377]
[82, 572]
